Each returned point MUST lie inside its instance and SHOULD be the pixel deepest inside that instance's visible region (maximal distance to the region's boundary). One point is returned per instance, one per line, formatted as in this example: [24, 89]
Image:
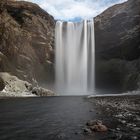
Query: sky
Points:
[70, 10]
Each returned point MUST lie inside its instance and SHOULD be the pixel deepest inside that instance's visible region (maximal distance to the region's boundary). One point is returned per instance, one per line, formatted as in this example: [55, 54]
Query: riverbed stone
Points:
[99, 128]
[93, 122]
[87, 131]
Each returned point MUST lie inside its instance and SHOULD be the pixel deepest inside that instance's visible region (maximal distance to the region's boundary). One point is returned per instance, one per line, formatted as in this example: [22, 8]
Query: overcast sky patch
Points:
[75, 9]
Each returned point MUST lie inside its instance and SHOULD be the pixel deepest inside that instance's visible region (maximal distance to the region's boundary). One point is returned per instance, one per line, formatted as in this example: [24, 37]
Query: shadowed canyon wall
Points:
[117, 33]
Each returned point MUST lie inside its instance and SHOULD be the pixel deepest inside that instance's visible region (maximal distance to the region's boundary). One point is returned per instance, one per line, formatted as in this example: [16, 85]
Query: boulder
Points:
[39, 91]
[87, 131]
[99, 128]
[93, 122]
[96, 126]
[13, 84]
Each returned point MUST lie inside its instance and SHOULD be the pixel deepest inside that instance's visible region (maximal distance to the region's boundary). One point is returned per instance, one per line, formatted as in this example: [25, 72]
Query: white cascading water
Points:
[75, 57]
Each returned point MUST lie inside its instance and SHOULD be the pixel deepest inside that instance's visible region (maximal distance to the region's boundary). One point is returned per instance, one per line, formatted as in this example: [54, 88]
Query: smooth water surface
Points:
[51, 118]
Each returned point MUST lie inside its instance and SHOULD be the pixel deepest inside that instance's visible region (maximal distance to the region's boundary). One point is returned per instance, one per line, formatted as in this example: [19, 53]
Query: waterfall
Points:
[75, 57]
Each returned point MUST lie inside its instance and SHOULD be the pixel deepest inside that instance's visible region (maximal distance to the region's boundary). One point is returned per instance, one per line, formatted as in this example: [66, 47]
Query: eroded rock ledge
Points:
[11, 86]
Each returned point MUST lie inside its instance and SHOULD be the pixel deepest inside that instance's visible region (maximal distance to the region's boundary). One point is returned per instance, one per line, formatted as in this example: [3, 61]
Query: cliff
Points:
[117, 32]
[26, 41]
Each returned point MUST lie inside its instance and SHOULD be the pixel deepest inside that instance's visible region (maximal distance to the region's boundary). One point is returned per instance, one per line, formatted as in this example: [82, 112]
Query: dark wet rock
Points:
[87, 130]
[117, 33]
[29, 86]
[126, 137]
[134, 138]
[2, 84]
[115, 136]
[118, 129]
[136, 129]
[123, 121]
[39, 91]
[26, 41]
[137, 118]
[93, 122]
[131, 125]
[99, 128]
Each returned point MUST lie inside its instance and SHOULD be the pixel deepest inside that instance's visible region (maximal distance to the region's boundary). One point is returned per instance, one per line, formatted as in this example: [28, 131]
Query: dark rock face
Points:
[26, 40]
[117, 34]
[2, 85]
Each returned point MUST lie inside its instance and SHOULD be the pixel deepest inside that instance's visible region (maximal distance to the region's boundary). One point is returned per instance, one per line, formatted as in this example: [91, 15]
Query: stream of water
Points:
[75, 57]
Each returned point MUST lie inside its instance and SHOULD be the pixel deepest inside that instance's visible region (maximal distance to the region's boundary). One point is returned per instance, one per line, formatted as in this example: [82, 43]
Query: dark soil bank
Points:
[65, 118]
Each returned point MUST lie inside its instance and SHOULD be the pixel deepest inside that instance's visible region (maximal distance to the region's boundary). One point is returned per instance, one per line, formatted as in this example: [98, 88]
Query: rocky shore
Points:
[121, 116]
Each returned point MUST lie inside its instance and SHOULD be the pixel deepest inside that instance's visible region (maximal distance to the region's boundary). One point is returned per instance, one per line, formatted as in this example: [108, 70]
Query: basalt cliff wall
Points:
[117, 32]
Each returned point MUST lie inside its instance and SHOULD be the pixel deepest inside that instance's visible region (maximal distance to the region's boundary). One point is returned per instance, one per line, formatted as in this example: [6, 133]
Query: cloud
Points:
[75, 9]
